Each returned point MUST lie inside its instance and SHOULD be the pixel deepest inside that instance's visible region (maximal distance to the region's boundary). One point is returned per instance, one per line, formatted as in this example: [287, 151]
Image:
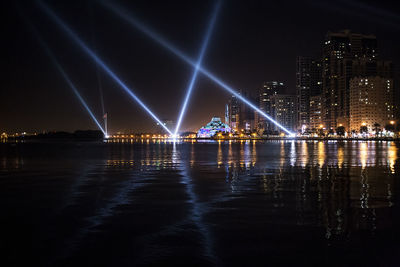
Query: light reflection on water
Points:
[342, 187]
[341, 174]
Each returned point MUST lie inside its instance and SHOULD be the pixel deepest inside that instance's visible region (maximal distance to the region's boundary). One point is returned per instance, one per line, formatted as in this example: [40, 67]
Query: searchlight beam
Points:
[65, 76]
[157, 38]
[100, 62]
[198, 64]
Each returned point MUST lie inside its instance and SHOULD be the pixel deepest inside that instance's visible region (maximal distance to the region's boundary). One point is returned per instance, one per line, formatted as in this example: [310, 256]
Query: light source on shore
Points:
[392, 122]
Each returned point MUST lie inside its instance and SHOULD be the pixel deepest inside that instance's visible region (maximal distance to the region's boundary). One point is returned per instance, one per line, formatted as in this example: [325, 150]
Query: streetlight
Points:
[392, 122]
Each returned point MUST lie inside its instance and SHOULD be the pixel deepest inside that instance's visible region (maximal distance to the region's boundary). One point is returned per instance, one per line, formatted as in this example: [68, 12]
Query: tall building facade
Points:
[315, 112]
[267, 90]
[308, 84]
[283, 110]
[227, 120]
[340, 49]
[234, 112]
[371, 102]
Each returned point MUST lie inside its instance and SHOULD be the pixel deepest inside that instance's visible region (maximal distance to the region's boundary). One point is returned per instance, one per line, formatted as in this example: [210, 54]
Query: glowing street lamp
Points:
[392, 122]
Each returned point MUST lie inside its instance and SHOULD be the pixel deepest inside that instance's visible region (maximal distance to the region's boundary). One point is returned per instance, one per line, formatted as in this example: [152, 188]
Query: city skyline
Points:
[200, 133]
[33, 114]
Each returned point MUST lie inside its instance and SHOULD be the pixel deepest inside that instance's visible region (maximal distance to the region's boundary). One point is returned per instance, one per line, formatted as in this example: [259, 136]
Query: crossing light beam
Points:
[167, 45]
[99, 61]
[196, 69]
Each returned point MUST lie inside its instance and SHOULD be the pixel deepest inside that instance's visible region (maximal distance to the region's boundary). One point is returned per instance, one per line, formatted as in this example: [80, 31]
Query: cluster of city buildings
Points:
[349, 90]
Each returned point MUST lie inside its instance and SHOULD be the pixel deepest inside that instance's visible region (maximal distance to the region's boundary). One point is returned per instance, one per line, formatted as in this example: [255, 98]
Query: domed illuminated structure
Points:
[213, 127]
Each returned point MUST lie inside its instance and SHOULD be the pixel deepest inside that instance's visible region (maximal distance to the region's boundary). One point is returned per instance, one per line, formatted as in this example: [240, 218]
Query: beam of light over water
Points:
[198, 63]
[99, 61]
[65, 76]
[141, 27]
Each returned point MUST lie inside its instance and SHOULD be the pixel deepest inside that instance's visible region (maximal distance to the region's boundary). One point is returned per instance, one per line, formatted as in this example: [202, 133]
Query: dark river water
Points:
[200, 204]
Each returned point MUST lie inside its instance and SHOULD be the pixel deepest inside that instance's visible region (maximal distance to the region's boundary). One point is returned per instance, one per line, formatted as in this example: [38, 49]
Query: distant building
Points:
[371, 102]
[241, 116]
[247, 114]
[396, 96]
[227, 121]
[315, 112]
[283, 110]
[308, 84]
[234, 112]
[267, 90]
[212, 128]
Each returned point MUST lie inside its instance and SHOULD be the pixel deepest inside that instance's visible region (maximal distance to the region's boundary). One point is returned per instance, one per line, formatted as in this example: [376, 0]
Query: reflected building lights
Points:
[246, 154]
[321, 154]
[292, 154]
[363, 154]
[304, 156]
[219, 155]
[254, 154]
[282, 154]
[392, 156]
[340, 156]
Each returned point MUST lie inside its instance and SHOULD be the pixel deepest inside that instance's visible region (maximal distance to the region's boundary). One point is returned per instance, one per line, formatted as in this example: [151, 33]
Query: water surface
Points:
[200, 204]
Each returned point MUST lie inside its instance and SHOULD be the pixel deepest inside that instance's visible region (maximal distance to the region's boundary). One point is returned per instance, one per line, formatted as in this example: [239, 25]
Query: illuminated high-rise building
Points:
[308, 84]
[283, 110]
[227, 114]
[371, 102]
[339, 51]
[234, 112]
[267, 90]
[315, 112]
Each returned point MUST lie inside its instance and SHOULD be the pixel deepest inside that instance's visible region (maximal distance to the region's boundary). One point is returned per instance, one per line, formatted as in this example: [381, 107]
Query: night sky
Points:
[252, 42]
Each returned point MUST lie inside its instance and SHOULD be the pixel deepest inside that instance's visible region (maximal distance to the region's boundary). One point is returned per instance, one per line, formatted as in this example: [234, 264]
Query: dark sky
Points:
[252, 42]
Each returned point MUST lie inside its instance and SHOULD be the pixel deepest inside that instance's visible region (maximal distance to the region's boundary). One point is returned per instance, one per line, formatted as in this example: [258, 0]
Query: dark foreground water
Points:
[200, 204]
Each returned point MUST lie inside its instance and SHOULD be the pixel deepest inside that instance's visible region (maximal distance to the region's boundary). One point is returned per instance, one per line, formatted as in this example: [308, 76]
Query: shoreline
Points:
[140, 140]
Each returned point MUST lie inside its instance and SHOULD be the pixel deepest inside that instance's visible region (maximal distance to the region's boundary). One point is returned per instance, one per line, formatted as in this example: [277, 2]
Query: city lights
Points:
[100, 62]
[211, 133]
[135, 23]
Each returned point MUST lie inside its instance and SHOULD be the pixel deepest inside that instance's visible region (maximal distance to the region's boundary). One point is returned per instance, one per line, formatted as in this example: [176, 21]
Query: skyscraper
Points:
[308, 84]
[234, 111]
[227, 120]
[339, 51]
[267, 90]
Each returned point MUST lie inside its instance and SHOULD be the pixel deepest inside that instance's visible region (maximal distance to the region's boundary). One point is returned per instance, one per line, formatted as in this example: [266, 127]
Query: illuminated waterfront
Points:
[200, 202]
